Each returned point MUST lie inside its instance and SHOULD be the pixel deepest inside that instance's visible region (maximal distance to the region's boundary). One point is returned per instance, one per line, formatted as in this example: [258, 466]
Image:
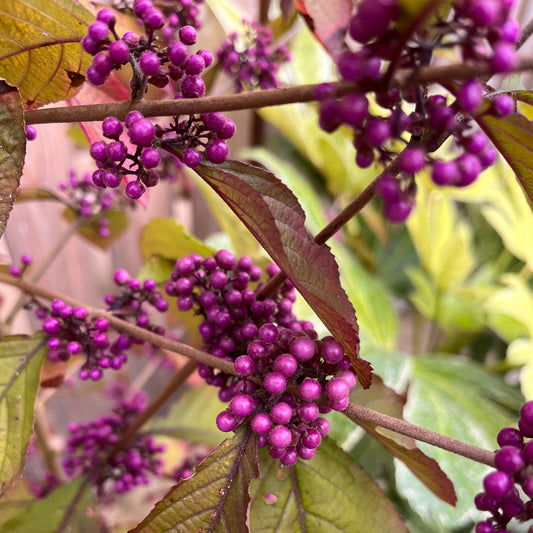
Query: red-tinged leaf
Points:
[12, 150]
[272, 213]
[327, 21]
[215, 499]
[513, 137]
[384, 400]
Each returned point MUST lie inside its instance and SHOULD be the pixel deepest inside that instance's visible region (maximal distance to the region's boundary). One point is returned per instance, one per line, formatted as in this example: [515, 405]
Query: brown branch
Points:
[123, 326]
[357, 413]
[254, 99]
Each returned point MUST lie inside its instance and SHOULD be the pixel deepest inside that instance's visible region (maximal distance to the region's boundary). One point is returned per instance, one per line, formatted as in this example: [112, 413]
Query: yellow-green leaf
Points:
[164, 237]
[12, 150]
[40, 49]
[330, 493]
[441, 239]
[20, 360]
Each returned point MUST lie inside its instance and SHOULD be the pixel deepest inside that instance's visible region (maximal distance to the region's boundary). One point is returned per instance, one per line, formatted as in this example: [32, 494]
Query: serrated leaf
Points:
[513, 137]
[453, 397]
[40, 48]
[192, 418]
[375, 313]
[48, 514]
[166, 238]
[12, 150]
[273, 215]
[215, 499]
[327, 21]
[20, 359]
[117, 224]
[330, 493]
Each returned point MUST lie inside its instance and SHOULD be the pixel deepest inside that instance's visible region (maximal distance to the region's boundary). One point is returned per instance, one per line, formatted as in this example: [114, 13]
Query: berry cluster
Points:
[283, 371]
[296, 372]
[218, 289]
[250, 59]
[157, 59]
[513, 461]
[188, 138]
[480, 30]
[90, 202]
[89, 446]
[41, 489]
[73, 332]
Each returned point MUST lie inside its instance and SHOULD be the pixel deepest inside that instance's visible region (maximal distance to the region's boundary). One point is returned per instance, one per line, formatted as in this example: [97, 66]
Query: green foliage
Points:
[330, 493]
[65, 508]
[20, 359]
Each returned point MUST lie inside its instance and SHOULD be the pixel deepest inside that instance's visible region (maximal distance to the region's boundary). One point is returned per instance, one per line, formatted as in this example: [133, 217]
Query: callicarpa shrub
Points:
[350, 350]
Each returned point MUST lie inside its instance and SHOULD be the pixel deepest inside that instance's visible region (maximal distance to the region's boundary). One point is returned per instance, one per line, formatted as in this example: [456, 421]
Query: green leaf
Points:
[12, 150]
[117, 224]
[330, 493]
[67, 503]
[510, 308]
[20, 360]
[166, 238]
[40, 48]
[216, 497]
[442, 240]
[273, 215]
[192, 418]
[384, 400]
[457, 398]
[513, 136]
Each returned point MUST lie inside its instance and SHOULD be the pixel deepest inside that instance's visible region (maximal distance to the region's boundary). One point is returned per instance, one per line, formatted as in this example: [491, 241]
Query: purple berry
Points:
[261, 423]
[226, 421]
[274, 383]
[509, 459]
[192, 87]
[303, 349]
[337, 389]
[281, 413]
[141, 132]
[497, 484]
[149, 63]
[285, 364]
[217, 152]
[241, 405]
[119, 52]
[310, 389]
[134, 190]
[187, 35]
[280, 437]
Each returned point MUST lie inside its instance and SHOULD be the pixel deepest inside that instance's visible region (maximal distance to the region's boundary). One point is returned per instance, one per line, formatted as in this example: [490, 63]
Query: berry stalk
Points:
[255, 99]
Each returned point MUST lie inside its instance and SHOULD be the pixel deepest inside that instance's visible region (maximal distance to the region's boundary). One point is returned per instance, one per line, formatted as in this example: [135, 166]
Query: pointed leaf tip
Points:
[271, 212]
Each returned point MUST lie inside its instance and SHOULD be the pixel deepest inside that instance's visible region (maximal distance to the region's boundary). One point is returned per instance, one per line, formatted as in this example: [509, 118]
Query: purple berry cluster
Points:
[250, 58]
[513, 461]
[481, 31]
[283, 370]
[299, 378]
[90, 202]
[41, 489]
[188, 138]
[183, 13]
[156, 58]
[218, 288]
[72, 331]
[89, 446]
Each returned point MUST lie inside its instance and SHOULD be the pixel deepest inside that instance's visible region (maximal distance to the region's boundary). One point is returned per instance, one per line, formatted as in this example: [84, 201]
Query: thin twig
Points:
[358, 413]
[255, 99]
[172, 386]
